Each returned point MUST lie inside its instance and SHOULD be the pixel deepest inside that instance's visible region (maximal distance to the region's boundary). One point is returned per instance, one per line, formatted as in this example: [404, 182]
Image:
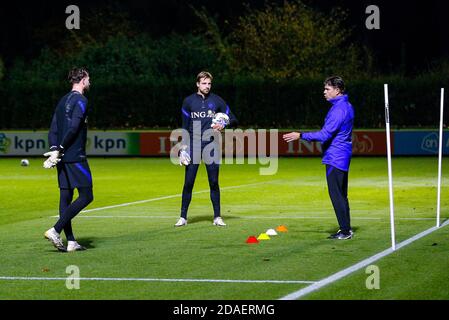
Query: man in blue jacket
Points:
[336, 140]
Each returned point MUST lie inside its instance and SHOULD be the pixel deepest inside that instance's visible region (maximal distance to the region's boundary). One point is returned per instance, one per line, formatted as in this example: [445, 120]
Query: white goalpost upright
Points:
[390, 174]
[440, 158]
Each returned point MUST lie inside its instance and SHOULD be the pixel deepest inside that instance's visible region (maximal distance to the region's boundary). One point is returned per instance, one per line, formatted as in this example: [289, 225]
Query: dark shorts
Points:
[74, 175]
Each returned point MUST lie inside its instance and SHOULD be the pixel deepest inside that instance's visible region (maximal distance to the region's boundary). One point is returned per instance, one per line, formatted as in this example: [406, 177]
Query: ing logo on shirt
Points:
[4, 143]
[202, 114]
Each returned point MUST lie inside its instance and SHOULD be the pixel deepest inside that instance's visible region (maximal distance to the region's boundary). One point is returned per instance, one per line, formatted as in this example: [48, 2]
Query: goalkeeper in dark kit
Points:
[203, 114]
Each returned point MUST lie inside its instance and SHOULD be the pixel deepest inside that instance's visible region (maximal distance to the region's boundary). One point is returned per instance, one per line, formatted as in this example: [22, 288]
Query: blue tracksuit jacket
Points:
[201, 110]
[336, 134]
[69, 127]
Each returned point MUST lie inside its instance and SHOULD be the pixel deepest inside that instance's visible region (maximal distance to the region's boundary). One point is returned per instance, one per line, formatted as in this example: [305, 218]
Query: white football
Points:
[220, 118]
[24, 163]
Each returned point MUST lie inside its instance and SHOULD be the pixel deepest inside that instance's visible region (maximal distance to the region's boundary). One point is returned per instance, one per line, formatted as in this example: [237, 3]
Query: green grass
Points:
[139, 241]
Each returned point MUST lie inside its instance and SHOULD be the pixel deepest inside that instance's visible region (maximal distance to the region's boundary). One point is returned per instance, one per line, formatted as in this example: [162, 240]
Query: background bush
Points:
[256, 103]
[269, 66]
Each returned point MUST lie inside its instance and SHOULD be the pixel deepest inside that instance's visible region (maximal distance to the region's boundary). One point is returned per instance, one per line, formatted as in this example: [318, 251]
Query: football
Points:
[220, 118]
[24, 163]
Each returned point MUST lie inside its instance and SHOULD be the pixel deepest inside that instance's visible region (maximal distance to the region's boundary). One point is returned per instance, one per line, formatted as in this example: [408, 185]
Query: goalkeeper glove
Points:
[184, 157]
[54, 156]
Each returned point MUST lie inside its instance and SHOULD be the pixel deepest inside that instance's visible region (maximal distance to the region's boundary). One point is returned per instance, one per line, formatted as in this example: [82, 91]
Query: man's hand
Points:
[292, 136]
[184, 157]
[53, 159]
[218, 126]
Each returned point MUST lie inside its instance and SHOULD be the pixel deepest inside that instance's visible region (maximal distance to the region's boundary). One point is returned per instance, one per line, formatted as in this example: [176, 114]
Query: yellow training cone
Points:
[263, 236]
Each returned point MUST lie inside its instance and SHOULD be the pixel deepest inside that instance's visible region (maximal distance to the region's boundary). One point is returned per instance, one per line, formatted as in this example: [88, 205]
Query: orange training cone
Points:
[282, 228]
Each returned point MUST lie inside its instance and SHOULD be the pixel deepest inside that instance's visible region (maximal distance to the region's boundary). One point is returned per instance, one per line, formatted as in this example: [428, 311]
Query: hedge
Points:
[256, 103]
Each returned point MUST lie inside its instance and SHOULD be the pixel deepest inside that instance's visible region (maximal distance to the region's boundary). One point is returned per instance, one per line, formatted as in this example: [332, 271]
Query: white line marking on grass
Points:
[432, 219]
[243, 217]
[174, 196]
[158, 280]
[329, 217]
[125, 217]
[229, 216]
[304, 217]
[362, 264]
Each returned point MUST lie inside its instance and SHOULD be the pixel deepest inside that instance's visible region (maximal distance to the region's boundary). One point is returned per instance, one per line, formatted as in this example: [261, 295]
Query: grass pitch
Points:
[134, 252]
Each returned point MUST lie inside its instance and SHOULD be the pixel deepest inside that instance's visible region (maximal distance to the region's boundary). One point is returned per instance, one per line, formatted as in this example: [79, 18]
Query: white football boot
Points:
[181, 222]
[219, 222]
[55, 239]
[74, 246]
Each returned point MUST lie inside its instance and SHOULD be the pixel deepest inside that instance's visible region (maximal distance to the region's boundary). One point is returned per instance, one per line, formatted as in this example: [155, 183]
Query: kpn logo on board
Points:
[4, 143]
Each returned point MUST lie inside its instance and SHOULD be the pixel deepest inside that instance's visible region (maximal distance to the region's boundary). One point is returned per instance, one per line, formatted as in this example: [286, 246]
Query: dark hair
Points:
[77, 74]
[336, 82]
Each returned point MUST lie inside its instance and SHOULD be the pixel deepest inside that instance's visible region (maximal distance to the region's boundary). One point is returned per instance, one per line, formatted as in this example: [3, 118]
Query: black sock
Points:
[189, 181]
[85, 197]
[65, 199]
[212, 174]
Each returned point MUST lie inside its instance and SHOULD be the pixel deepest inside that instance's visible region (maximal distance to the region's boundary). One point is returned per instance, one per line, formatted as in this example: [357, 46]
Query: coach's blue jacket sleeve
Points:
[331, 126]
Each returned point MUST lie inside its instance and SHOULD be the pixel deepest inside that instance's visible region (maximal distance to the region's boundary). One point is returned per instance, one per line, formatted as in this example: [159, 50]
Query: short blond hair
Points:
[202, 75]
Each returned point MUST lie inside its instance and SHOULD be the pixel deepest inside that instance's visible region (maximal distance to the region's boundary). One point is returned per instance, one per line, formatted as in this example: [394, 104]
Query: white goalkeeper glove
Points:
[184, 157]
[53, 158]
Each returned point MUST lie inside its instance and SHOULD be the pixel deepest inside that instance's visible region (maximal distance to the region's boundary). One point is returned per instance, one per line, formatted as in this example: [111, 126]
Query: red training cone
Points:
[252, 239]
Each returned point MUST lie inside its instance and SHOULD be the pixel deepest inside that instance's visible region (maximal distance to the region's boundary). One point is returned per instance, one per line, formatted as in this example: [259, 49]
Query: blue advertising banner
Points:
[115, 143]
[408, 143]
